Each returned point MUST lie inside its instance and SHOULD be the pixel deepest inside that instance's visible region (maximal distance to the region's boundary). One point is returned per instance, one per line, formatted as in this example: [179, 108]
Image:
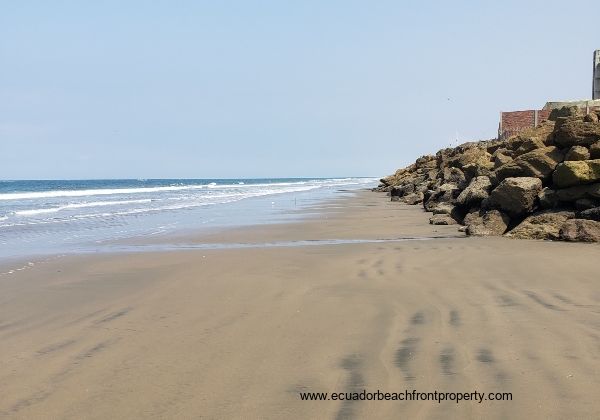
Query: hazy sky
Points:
[117, 89]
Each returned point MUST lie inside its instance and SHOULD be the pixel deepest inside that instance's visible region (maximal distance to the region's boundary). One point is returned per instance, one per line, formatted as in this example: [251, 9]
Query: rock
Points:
[422, 187]
[576, 172]
[472, 155]
[442, 219]
[585, 204]
[432, 174]
[501, 159]
[478, 190]
[578, 153]
[501, 181]
[425, 161]
[539, 163]
[493, 145]
[595, 150]
[548, 198]
[402, 190]
[578, 191]
[449, 209]
[515, 196]
[565, 111]
[386, 181]
[462, 229]
[577, 132]
[529, 144]
[444, 208]
[454, 176]
[472, 170]
[544, 225]
[491, 223]
[513, 143]
[413, 198]
[449, 188]
[445, 193]
[503, 151]
[591, 117]
[416, 179]
[590, 214]
[382, 188]
[580, 230]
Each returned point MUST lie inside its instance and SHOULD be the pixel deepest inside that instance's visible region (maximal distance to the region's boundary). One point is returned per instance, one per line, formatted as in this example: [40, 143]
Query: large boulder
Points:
[449, 209]
[575, 132]
[576, 172]
[595, 150]
[472, 170]
[548, 198]
[515, 196]
[577, 192]
[538, 163]
[544, 225]
[454, 176]
[473, 155]
[529, 144]
[591, 117]
[477, 191]
[578, 153]
[503, 151]
[402, 190]
[501, 159]
[490, 223]
[413, 198]
[586, 203]
[427, 161]
[580, 230]
[563, 112]
[442, 219]
[446, 193]
[590, 214]
[431, 174]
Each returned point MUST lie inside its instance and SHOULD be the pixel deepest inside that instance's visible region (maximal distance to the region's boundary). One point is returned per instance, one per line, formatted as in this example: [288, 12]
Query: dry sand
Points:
[239, 333]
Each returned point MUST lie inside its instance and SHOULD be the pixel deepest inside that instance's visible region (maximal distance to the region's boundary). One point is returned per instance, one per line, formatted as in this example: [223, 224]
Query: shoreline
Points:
[194, 234]
[271, 232]
[59, 216]
[226, 333]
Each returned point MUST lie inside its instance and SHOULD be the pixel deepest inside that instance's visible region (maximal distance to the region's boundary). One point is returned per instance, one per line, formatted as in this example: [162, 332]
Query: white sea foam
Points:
[142, 190]
[33, 216]
[74, 206]
[28, 217]
[84, 193]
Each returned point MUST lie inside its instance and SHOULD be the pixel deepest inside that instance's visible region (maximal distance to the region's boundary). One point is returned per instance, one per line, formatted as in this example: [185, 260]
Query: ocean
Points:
[51, 217]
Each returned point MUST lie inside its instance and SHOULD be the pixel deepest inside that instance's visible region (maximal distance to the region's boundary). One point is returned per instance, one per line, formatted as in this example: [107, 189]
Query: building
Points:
[513, 122]
[596, 82]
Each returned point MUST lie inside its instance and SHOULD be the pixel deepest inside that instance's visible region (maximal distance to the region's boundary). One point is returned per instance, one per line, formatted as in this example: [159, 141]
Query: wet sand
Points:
[238, 333]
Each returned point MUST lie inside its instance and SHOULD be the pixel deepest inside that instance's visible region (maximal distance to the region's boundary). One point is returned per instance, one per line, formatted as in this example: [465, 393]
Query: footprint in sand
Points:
[485, 356]
[405, 354]
[447, 359]
[455, 320]
[418, 318]
[355, 383]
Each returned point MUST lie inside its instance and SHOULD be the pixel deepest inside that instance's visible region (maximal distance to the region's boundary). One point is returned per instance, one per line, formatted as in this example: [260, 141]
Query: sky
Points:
[247, 89]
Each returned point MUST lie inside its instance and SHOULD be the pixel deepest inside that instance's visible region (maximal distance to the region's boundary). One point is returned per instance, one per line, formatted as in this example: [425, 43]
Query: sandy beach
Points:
[241, 332]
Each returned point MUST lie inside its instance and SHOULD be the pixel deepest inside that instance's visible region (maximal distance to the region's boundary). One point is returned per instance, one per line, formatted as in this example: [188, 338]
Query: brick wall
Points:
[515, 121]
